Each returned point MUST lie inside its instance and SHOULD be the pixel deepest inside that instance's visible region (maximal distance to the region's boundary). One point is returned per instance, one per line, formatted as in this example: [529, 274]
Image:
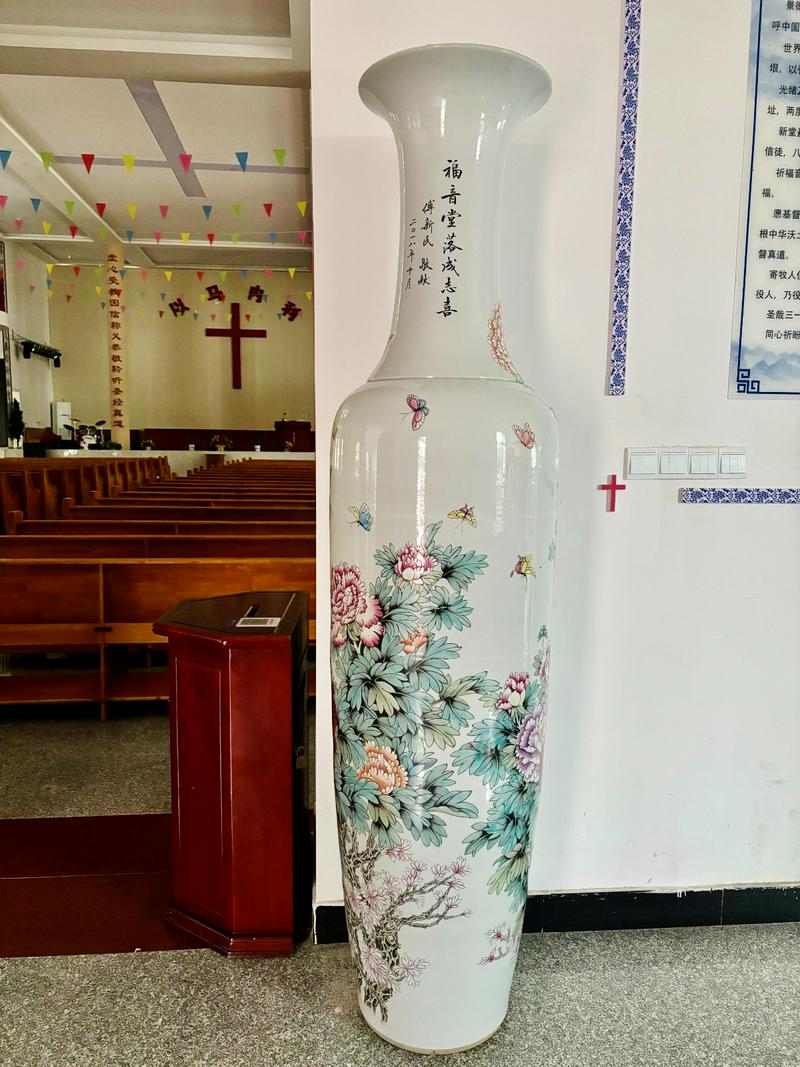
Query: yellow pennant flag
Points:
[98, 289]
[47, 226]
[308, 294]
[132, 209]
[49, 267]
[129, 162]
[204, 296]
[301, 206]
[168, 275]
[49, 294]
[291, 271]
[185, 238]
[229, 318]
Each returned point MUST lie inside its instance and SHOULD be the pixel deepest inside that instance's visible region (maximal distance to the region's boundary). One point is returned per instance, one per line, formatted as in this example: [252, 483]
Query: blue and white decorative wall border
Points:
[740, 496]
[626, 164]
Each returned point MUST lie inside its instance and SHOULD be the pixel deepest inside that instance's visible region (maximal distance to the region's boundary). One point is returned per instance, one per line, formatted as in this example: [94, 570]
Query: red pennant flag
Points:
[101, 209]
[88, 160]
[268, 208]
[73, 230]
[200, 274]
[3, 200]
[157, 235]
[163, 208]
[211, 237]
[76, 271]
[161, 313]
[69, 297]
[213, 318]
[186, 161]
[247, 317]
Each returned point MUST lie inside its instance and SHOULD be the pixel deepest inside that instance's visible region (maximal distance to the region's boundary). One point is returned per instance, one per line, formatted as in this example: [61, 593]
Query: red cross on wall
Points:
[612, 487]
[236, 333]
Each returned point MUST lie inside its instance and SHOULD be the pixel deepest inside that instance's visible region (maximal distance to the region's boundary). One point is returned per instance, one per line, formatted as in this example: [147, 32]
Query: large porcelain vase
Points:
[443, 483]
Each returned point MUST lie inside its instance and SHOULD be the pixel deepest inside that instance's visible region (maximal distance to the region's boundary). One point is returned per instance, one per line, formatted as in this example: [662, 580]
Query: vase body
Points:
[443, 484]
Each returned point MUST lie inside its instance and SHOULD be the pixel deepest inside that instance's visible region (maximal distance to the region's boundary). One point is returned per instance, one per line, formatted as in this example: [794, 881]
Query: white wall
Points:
[176, 375]
[674, 739]
[26, 290]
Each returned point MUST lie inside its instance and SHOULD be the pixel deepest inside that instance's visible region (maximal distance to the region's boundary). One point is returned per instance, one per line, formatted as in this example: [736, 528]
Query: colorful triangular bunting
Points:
[5, 155]
[186, 161]
[129, 161]
[280, 155]
[47, 159]
[242, 157]
[88, 160]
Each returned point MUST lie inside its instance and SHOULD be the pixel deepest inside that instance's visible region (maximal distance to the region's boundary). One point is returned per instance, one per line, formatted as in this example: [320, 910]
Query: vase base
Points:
[431, 1051]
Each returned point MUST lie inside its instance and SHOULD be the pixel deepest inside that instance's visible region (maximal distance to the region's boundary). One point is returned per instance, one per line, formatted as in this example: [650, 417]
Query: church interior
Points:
[198, 248]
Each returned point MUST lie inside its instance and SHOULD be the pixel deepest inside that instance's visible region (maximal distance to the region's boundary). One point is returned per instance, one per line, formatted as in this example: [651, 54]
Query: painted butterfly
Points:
[420, 409]
[525, 435]
[362, 517]
[524, 566]
[465, 514]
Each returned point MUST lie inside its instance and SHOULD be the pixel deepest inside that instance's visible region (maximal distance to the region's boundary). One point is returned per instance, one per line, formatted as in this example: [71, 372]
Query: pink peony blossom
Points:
[413, 562]
[354, 613]
[513, 691]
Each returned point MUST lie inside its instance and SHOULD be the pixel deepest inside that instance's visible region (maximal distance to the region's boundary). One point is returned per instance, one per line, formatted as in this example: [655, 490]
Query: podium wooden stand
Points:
[240, 842]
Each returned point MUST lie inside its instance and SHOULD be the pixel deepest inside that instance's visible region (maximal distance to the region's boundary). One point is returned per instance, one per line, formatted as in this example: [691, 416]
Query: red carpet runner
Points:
[101, 884]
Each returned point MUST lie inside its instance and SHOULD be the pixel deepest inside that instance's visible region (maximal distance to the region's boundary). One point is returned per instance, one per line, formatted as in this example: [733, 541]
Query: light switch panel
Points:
[686, 461]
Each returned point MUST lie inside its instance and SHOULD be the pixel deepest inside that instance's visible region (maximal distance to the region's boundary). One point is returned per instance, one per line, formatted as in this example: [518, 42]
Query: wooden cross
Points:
[236, 333]
[612, 487]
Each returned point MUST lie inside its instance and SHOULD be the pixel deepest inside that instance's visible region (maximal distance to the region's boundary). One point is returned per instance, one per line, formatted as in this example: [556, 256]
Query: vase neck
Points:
[452, 109]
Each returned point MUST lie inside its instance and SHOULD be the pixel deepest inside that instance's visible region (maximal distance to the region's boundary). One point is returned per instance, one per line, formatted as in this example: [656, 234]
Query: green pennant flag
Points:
[69, 206]
[280, 155]
[47, 159]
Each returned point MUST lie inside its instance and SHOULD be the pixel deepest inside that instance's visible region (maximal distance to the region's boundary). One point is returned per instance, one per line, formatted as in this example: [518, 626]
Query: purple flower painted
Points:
[530, 744]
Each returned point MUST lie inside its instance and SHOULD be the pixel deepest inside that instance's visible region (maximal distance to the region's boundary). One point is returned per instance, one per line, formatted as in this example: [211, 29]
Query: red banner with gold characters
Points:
[115, 311]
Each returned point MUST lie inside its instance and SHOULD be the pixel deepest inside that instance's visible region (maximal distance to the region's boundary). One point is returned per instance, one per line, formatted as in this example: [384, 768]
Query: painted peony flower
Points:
[413, 562]
[530, 745]
[383, 768]
[513, 691]
[353, 611]
[416, 640]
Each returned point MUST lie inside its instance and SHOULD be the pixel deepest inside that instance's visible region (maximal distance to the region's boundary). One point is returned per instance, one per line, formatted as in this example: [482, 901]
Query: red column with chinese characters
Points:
[117, 352]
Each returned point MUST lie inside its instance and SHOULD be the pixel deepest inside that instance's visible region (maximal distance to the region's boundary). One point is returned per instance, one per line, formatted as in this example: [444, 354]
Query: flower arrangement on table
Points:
[221, 442]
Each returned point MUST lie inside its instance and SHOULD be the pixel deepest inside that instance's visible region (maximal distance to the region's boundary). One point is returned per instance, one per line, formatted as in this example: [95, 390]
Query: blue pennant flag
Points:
[242, 157]
[5, 155]
[207, 209]
[129, 234]
[244, 273]
[36, 201]
[273, 237]
[122, 273]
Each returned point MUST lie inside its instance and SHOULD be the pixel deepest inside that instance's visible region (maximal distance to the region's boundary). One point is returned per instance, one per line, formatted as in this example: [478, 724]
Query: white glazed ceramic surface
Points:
[442, 546]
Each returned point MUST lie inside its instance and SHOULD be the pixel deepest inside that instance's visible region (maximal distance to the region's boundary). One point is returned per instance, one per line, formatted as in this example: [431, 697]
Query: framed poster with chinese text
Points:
[765, 350]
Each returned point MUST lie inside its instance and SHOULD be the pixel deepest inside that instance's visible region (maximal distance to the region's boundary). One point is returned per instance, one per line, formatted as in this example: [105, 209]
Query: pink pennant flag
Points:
[302, 234]
[163, 208]
[268, 272]
[144, 274]
[157, 235]
[19, 264]
[3, 201]
[186, 161]
[18, 223]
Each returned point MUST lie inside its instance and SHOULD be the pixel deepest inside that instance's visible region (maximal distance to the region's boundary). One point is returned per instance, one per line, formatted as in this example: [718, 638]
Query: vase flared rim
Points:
[389, 61]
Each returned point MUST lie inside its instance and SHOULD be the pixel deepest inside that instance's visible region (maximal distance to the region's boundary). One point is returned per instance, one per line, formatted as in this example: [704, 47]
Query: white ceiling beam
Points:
[87, 39]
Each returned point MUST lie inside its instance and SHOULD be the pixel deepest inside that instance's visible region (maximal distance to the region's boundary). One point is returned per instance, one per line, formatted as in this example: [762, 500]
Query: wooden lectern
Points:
[240, 841]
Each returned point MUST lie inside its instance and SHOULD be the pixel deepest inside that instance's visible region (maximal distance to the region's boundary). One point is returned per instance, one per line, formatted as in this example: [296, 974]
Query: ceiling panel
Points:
[267, 18]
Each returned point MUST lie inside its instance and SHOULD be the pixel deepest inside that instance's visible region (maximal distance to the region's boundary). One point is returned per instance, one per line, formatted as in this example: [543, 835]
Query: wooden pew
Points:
[104, 604]
[157, 546]
[151, 527]
[179, 512]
